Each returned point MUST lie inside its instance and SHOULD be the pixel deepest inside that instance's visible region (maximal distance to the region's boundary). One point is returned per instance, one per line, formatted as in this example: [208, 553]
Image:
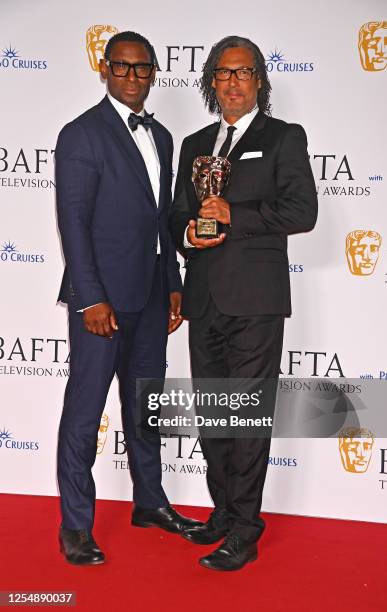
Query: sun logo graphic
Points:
[4, 435]
[10, 53]
[372, 46]
[8, 247]
[276, 56]
[96, 40]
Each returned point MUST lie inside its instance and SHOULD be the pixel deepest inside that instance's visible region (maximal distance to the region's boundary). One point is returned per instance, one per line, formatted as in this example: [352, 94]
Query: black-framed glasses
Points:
[121, 69]
[242, 74]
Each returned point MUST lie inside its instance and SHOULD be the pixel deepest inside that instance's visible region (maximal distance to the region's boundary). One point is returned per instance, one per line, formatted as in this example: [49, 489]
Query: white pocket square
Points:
[251, 154]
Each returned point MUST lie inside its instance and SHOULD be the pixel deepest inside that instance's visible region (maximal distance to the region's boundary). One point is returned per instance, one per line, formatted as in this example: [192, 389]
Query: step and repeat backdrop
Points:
[328, 67]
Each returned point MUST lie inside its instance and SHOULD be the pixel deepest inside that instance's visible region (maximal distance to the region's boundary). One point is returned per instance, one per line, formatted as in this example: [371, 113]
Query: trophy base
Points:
[207, 228]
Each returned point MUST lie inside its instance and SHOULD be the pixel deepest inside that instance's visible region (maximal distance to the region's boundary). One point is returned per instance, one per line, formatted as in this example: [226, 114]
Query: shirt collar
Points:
[123, 110]
[243, 123]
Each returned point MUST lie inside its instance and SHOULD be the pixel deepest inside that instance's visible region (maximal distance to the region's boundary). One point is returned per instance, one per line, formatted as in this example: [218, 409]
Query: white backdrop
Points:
[319, 81]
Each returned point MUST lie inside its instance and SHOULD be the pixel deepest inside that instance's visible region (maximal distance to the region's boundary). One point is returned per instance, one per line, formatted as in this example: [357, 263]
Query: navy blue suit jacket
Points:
[107, 214]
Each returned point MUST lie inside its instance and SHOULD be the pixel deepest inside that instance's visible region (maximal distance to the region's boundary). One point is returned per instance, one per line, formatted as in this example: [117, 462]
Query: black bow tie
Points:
[135, 120]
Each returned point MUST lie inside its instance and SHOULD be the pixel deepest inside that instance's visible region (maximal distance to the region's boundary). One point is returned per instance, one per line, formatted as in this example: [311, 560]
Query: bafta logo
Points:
[362, 250]
[355, 446]
[372, 45]
[96, 39]
[102, 433]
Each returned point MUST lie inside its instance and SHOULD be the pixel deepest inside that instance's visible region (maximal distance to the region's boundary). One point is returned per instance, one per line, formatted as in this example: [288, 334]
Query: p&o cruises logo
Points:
[10, 58]
[9, 443]
[9, 253]
[276, 62]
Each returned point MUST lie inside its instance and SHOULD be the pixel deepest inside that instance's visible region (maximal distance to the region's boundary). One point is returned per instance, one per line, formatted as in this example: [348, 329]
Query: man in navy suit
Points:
[121, 283]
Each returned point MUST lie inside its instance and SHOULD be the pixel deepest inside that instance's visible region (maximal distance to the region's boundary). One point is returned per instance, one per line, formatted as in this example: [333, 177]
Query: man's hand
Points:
[100, 320]
[175, 318]
[216, 208]
[202, 243]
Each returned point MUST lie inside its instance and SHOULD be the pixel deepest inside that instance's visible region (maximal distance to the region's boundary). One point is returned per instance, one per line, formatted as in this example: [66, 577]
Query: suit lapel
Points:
[127, 144]
[249, 139]
[163, 159]
[207, 139]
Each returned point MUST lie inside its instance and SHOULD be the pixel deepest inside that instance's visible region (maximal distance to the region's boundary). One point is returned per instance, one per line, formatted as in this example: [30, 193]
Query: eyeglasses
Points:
[122, 69]
[242, 74]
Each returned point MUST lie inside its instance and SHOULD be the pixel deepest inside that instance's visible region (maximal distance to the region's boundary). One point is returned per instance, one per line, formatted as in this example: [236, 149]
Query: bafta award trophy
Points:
[209, 176]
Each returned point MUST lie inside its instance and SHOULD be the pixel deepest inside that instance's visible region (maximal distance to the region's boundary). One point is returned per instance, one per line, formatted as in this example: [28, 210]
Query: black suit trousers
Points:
[235, 347]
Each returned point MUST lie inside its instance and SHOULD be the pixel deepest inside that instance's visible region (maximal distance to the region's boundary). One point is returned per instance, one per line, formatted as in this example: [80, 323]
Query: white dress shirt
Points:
[147, 147]
[241, 126]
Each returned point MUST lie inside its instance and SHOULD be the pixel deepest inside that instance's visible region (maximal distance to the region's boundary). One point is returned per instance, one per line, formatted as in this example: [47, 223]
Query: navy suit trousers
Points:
[137, 350]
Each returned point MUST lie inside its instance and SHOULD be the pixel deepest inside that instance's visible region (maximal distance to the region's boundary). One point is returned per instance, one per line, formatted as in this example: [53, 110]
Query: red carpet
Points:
[304, 564]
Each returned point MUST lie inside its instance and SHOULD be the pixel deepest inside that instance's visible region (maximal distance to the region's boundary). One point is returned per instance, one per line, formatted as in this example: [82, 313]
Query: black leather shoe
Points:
[232, 555]
[79, 547]
[166, 518]
[215, 529]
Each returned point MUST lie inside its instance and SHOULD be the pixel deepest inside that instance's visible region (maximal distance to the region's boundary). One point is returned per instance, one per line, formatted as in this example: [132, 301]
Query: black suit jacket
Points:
[107, 214]
[270, 197]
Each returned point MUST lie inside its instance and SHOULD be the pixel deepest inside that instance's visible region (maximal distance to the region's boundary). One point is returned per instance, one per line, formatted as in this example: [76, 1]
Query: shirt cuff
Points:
[87, 307]
[187, 244]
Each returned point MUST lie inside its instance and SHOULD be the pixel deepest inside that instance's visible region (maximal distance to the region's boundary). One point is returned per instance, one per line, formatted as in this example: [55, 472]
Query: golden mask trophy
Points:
[210, 175]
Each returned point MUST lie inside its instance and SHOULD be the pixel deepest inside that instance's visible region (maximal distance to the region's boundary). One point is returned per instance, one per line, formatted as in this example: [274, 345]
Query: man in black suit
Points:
[121, 283]
[237, 290]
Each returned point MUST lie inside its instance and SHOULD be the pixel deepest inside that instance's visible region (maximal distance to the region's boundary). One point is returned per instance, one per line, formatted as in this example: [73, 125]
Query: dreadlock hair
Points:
[130, 37]
[208, 92]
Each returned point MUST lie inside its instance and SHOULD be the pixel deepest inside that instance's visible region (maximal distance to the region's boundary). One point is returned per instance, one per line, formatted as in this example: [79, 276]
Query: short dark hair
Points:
[130, 37]
[208, 92]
